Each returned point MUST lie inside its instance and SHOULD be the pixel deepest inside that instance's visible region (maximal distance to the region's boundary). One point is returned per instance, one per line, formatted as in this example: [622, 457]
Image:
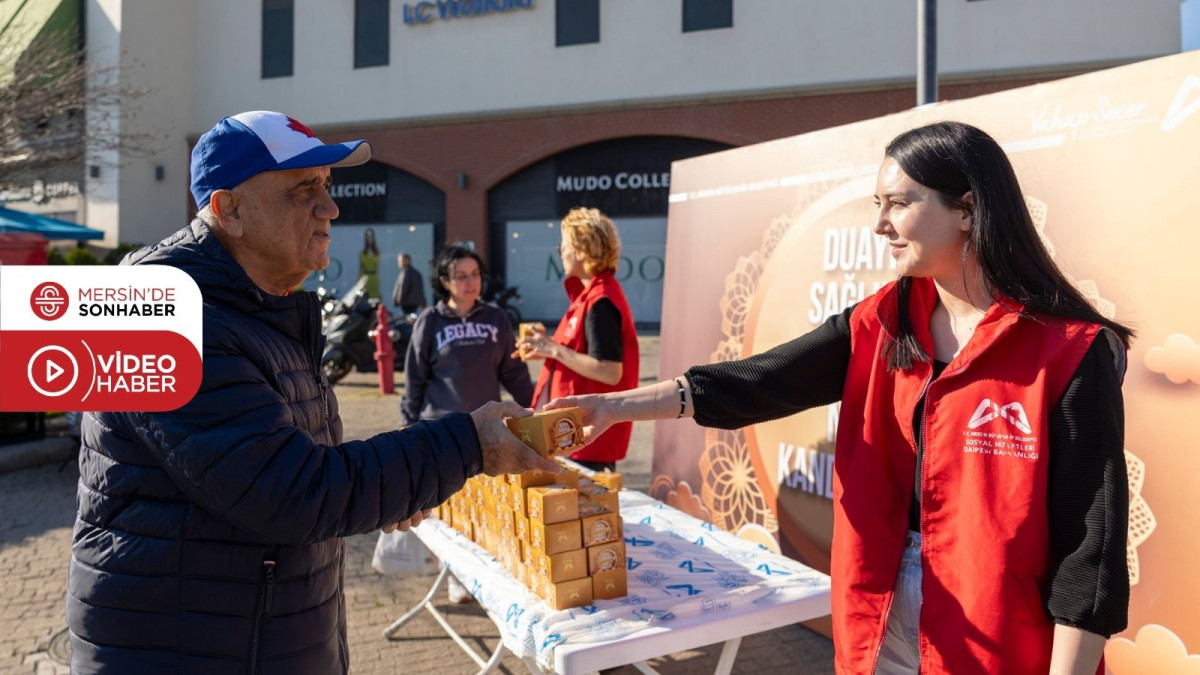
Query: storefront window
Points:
[371, 30]
[577, 22]
[707, 14]
[277, 38]
[404, 213]
[628, 179]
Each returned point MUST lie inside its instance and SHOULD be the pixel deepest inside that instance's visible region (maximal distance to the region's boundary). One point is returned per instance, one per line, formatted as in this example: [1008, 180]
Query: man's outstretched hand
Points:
[502, 452]
[404, 525]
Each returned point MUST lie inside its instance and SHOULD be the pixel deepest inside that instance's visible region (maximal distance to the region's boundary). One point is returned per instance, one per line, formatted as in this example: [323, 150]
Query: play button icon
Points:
[56, 363]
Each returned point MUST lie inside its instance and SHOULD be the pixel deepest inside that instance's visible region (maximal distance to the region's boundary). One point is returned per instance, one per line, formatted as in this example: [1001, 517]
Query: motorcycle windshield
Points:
[357, 289]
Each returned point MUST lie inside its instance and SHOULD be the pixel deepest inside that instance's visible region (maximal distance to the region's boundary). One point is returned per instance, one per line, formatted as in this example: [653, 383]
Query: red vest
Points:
[612, 444]
[986, 555]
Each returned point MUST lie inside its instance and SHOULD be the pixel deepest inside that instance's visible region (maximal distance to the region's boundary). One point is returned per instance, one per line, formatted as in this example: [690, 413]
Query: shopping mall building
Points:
[491, 118]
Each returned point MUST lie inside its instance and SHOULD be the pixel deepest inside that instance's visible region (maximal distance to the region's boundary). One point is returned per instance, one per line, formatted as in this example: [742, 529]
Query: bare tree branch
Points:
[59, 113]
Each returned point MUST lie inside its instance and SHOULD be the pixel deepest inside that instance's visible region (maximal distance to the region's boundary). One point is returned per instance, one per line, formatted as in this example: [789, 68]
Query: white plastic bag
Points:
[402, 554]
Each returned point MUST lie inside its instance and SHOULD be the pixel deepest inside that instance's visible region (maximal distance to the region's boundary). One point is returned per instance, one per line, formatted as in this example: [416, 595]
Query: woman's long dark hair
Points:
[446, 258]
[369, 242]
[953, 159]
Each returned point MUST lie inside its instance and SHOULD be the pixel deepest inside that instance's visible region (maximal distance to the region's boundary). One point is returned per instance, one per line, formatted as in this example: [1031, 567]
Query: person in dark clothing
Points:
[980, 495]
[408, 294]
[208, 538]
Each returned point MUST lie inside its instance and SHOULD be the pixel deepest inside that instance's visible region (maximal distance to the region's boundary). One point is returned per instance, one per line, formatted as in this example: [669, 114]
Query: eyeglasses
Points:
[464, 278]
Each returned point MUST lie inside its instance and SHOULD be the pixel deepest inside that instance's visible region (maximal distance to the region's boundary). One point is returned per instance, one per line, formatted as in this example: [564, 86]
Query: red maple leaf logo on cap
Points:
[296, 125]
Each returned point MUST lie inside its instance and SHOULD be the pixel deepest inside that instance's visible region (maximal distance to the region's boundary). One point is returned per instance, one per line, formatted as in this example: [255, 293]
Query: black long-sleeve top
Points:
[1088, 494]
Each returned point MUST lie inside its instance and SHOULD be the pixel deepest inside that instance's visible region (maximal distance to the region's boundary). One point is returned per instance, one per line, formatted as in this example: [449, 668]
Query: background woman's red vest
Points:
[562, 381]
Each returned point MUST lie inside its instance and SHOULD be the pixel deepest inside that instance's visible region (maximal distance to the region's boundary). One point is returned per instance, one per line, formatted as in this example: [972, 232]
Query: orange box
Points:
[526, 329]
[555, 538]
[550, 432]
[531, 478]
[609, 479]
[552, 503]
[589, 508]
[562, 566]
[605, 557]
[601, 494]
[526, 552]
[574, 593]
[601, 529]
[516, 498]
[610, 584]
[521, 528]
[568, 477]
[504, 521]
[531, 579]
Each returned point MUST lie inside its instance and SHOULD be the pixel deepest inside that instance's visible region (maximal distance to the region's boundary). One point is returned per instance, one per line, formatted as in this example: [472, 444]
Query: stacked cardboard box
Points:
[561, 535]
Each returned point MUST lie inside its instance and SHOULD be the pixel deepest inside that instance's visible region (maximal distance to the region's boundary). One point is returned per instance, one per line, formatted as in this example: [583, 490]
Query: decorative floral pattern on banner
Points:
[1141, 519]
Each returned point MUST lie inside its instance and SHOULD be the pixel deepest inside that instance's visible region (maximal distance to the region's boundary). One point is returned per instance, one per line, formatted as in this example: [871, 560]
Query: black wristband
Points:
[682, 398]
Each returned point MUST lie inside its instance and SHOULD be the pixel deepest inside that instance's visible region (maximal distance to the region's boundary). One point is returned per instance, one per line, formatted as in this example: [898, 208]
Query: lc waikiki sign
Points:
[122, 338]
[419, 13]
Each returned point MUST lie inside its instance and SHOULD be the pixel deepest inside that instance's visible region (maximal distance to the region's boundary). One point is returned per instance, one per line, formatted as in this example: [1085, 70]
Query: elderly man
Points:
[208, 538]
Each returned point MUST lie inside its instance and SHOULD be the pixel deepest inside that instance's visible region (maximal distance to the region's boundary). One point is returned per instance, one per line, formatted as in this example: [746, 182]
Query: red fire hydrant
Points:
[385, 356]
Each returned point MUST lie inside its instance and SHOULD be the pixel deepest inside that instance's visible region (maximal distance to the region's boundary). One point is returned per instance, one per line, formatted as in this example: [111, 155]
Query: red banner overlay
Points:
[97, 370]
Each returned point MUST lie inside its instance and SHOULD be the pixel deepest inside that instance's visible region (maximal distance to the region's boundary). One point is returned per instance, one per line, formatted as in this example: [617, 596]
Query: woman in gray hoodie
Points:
[461, 348]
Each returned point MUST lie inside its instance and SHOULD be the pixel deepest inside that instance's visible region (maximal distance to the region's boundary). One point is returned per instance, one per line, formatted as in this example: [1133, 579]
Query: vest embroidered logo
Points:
[1013, 413]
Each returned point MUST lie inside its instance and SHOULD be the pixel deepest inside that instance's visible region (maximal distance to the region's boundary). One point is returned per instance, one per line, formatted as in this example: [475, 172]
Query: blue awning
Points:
[50, 228]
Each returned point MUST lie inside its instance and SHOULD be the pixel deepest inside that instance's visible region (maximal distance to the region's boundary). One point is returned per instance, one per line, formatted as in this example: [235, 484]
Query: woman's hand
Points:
[598, 412]
[538, 344]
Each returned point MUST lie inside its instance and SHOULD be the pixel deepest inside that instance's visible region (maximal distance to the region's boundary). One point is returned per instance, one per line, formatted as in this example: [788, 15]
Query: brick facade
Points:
[488, 151]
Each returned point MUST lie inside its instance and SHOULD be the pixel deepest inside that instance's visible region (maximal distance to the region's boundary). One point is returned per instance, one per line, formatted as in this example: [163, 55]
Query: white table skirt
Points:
[690, 584]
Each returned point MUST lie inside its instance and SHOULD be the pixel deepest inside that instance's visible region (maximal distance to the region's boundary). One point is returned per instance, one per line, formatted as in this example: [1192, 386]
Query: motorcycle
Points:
[350, 335]
[327, 298]
[507, 298]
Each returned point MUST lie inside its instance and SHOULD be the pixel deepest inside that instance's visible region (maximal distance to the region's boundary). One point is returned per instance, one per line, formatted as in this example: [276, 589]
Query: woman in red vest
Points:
[595, 349]
[980, 496]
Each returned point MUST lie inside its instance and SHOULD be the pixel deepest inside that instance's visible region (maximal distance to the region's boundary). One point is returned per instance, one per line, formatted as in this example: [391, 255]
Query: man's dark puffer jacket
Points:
[182, 513]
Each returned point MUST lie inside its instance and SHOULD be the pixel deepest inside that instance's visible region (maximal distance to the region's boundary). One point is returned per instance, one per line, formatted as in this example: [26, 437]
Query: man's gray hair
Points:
[207, 215]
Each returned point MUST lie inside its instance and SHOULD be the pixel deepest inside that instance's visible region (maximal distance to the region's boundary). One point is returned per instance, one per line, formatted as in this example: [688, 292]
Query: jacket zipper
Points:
[921, 468]
[342, 604]
[265, 590]
[888, 612]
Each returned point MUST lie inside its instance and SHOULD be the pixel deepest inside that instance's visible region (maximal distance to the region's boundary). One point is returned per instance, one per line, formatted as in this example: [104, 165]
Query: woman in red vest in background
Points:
[980, 496]
[595, 348]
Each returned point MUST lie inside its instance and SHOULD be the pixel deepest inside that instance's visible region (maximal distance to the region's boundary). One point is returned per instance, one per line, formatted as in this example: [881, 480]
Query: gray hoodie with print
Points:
[456, 364]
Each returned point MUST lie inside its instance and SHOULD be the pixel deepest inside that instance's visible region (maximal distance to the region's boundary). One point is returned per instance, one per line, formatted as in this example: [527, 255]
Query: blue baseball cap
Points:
[250, 143]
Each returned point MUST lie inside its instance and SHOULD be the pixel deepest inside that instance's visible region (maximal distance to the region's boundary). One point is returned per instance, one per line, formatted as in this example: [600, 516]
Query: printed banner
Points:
[765, 242]
[98, 338]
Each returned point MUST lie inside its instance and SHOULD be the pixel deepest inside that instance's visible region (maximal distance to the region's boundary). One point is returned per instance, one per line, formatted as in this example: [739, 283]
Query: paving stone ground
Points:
[37, 510]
